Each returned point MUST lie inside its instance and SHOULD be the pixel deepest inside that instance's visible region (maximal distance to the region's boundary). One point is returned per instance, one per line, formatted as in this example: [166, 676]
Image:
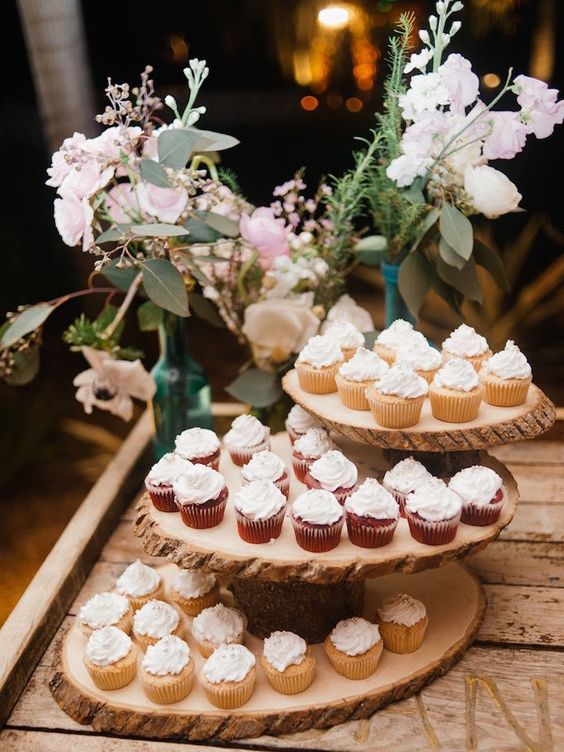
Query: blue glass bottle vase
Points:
[395, 304]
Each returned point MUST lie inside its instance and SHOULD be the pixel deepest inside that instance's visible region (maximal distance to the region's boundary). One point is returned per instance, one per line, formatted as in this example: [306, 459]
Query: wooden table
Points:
[506, 694]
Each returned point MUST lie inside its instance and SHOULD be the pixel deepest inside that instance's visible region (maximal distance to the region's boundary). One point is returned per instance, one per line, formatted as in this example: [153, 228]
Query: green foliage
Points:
[149, 316]
[25, 323]
[165, 286]
[456, 229]
[205, 310]
[212, 141]
[492, 261]
[225, 226]
[86, 333]
[152, 172]
[229, 178]
[414, 281]
[255, 387]
[158, 230]
[120, 278]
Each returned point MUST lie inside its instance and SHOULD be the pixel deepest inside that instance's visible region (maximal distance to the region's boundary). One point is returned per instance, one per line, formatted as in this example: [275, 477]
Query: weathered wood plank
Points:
[531, 452]
[524, 615]
[539, 484]
[123, 547]
[508, 563]
[541, 523]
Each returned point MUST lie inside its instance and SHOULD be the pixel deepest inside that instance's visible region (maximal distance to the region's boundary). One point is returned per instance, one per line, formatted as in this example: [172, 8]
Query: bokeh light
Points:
[309, 103]
[334, 17]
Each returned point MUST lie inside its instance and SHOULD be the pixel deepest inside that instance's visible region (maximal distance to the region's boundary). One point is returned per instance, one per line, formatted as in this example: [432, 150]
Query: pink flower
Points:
[122, 204]
[540, 109]
[507, 138]
[265, 233]
[86, 179]
[114, 141]
[421, 138]
[491, 192]
[165, 204]
[73, 217]
[61, 161]
[462, 84]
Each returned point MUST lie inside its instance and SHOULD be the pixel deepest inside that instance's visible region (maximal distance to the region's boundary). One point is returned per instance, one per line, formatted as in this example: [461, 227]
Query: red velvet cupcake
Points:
[335, 473]
[433, 513]
[160, 479]
[318, 520]
[259, 509]
[266, 465]
[403, 478]
[482, 494]
[246, 437]
[299, 422]
[372, 515]
[201, 497]
[308, 448]
[200, 446]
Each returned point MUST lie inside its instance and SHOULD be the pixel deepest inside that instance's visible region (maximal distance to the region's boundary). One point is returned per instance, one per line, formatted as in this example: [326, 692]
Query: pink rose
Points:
[265, 233]
[122, 203]
[462, 84]
[61, 163]
[73, 217]
[113, 141]
[86, 179]
[507, 138]
[540, 109]
[166, 204]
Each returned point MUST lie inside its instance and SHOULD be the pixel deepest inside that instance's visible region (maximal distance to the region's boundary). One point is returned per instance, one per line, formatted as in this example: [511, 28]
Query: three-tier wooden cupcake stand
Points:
[280, 586]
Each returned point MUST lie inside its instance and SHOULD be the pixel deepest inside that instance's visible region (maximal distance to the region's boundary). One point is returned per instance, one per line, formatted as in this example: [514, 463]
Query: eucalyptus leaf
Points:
[449, 255]
[153, 173]
[200, 232]
[370, 339]
[372, 250]
[106, 316]
[206, 310]
[27, 321]
[212, 141]
[255, 387]
[371, 258]
[414, 281]
[445, 291]
[149, 316]
[120, 278]
[465, 280]
[429, 220]
[492, 261]
[174, 147]
[165, 286]
[223, 225]
[119, 232]
[158, 230]
[25, 367]
[414, 194]
[194, 269]
[456, 229]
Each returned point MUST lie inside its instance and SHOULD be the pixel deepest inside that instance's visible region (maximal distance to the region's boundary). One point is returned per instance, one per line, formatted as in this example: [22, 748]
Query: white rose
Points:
[490, 191]
[346, 309]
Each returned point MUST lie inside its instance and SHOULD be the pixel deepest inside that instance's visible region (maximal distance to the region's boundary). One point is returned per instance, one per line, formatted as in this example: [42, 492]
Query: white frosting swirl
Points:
[108, 645]
[364, 365]
[318, 507]
[193, 583]
[345, 334]
[334, 470]
[138, 580]
[300, 420]
[196, 442]
[509, 363]
[321, 351]
[259, 500]
[229, 663]
[167, 656]
[395, 334]
[419, 356]
[406, 476]
[434, 501]
[246, 431]
[476, 484]
[314, 443]
[466, 342]
[168, 469]
[103, 610]
[155, 619]
[263, 465]
[402, 381]
[201, 484]
[218, 625]
[402, 609]
[457, 374]
[283, 649]
[372, 500]
[355, 636]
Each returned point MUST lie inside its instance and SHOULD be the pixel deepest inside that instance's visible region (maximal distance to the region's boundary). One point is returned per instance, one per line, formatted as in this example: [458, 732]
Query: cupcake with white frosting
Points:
[482, 493]
[299, 421]
[288, 663]
[228, 676]
[456, 392]
[201, 497]
[105, 610]
[110, 658]
[308, 448]
[140, 583]
[433, 513]
[317, 518]
[318, 363]
[246, 437]
[506, 377]
[160, 479]
[396, 400]
[218, 625]
[167, 671]
[260, 507]
[199, 445]
[393, 337]
[156, 619]
[335, 473]
[266, 465]
[356, 374]
[465, 342]
[403, 478]
[372, 515]
[354, 648]
[193, 590]
[346, 335]
[402, 621]
[419, 355]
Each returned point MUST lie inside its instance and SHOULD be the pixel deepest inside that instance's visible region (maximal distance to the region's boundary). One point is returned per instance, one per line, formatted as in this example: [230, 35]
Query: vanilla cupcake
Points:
[424, 359]
[393, 337]
[482, 494]
[156, 619]
[199, 445]
[246, 437]
[259, 510]
[372, 515]
[287, 663]
[396, 400]
[433, 513]
[193, 590]
[218, 625]
[140, 583]
[201, 497]
[105, 610]
[299, 421]
[358, 373]
[506, 377]
[308, 448]
[167, 671]
[228, 676]
[346, 335]
[160, 479]
[456, 392]
[402, 621]
[354, 648]
[266, 465]
[466, 343]
[403, 478]
[318, 363]
[317, 518]
[335, 473]
[110, 658]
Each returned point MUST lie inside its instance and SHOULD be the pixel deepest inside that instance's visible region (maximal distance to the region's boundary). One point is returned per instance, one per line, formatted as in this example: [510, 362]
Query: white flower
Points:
[459, 80]
[418, 61]
[426, 92]
[491, 192]
[165, 204]
[347, 309]
[540, 109]
[111, 384]
[508, 135]
[404, 169]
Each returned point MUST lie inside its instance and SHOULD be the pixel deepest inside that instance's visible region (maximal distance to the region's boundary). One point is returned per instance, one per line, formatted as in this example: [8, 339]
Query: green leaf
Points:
[370, 339]
[206, 310]
[371, 250]
[414, 281]
[492, 261]
[158, 230]
[25, 367]
[255, 387]
[223, 225]
[414, 194]
[449, 255]
[105, 318]
[119, 232]
[152, 172]
[445, 291]
[456, 229]
[200, 232]
[149, 316]
[175, 146]
[465, 280]
[424, 227]
[212, 141]
[120, 278]
[193, 267]
[165, 286]
[28, 320]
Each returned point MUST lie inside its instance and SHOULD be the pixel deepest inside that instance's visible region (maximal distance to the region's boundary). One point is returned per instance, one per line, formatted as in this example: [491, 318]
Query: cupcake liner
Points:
[341, 494]
[166, 690]
[317, 538]
[292, 435]
[162, 497]
[283, 484]
[193, 606]
[477, 361]
[229, 695]
[505, 392]
[211, 460]
[301, 465]
[365, 534]
[241, 456]
[352, 393]
[354, 666]
[144, 640]
[203, 516]
[386, 353]
[125, 624]
[318, 380]
[206, 648]
[454, 406]
[400, 498]
[294, 679]
[394, 412]
[116, 675]
[432, 533]
[138, 601]
[260, 531]
[472, 514]
[400, 638]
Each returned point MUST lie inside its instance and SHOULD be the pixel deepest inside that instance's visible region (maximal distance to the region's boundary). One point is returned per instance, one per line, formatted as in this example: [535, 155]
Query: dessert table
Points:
[506, 693]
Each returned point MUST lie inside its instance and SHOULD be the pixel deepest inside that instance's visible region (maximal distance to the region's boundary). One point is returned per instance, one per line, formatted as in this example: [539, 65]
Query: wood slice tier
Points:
[455, 605]
[220, 549]
[493, 426]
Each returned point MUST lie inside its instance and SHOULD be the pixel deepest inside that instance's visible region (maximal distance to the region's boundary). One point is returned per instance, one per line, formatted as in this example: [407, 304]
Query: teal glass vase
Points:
[395, 307]
[183, 396]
